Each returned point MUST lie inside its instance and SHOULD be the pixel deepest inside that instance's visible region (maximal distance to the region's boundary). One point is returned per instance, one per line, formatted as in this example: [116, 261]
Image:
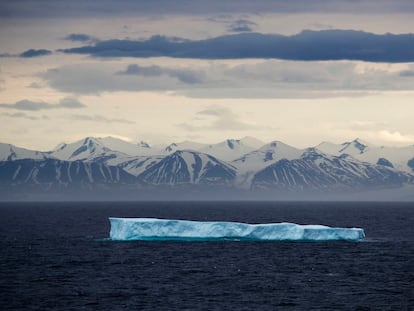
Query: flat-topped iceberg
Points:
[154, 229]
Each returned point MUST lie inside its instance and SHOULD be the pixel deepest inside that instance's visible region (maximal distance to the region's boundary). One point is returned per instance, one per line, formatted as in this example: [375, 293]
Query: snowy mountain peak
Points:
[316, 170]
[90, 149]
[59, 147]
[90, 140]
[185, 145]
[312, 153]
[232, 142]
[252, 142]
[10, 152]
[397, 157]
[276, 165]
[274, 144]
[143, 144]
[170, 148]
[266, 155]
[354, 146]
[228, 150]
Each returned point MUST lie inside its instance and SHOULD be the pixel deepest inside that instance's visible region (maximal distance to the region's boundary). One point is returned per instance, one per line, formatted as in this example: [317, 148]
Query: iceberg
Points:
[154, 229]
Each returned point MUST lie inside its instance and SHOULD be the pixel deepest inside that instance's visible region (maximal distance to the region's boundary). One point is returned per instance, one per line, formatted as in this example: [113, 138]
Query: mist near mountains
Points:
[244, 169]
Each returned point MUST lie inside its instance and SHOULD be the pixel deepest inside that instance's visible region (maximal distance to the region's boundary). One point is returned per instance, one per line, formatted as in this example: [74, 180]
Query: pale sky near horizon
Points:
[52, 94]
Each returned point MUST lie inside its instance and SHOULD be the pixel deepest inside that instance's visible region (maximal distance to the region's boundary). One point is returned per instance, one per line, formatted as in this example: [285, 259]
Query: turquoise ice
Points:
[154, 229]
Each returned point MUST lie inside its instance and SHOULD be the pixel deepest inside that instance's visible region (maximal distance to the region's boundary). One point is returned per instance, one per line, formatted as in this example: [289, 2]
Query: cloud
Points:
[93, 78]
[105, 8]
[99, 118]
[365, 125]
[35, 53]
[80, 37]
[28, 105]
[7, 55]
[184, 75]
[380, 132]
[242, 25]
[23, 115]
[307, 45]
[407, 73]
[321, 26]
[70, 102]
[219, 119]
[214, 79]
[395, 137]
[35, 85]
[2, 83]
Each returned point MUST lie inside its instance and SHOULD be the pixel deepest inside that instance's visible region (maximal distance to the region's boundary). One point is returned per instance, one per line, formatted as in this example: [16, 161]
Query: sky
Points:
[160, 71]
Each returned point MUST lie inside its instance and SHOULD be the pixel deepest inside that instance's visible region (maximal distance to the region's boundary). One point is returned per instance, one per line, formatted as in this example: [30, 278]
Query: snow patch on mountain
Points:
[398, 157]
[228, 150]
[316, 170]
[51, 172]
[189, 167]
[136, 165]
[10, 152]
[185, 145]
[256, 160]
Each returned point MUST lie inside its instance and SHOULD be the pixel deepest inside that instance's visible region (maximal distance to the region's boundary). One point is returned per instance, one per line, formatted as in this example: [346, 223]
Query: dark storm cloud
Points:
[82, 8]
[28, 105]
[80, 37]
[307, 45]
[35, 53]
[185, 76]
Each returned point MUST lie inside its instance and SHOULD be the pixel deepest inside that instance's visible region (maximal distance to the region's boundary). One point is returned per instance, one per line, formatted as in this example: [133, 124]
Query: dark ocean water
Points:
[53, 257]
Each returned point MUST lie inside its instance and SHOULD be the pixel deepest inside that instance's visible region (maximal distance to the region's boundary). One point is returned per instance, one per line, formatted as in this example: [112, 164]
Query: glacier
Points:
[154, 229]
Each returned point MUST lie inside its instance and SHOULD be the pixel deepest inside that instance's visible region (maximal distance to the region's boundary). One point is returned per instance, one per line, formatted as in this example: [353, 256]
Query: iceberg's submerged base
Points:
[153, 229]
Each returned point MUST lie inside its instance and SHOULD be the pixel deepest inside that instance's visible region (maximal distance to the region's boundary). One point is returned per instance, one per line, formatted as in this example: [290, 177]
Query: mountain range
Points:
[240, 166]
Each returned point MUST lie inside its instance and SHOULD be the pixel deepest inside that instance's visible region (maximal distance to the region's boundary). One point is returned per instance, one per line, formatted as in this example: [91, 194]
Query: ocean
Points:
[55, 256]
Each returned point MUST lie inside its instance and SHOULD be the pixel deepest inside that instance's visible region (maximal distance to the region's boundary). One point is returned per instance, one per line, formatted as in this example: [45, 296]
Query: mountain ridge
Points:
[274, 167]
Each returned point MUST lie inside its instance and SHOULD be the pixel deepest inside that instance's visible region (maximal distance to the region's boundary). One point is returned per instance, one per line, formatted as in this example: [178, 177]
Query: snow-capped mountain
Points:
[353, 148]
[10, 153]
[266, 155]
[189, 167]
[91, 149]
[252, 142]
[137, 165]
[396, 157]
[52, 171]
[315, 170]
[254, 161]
[354, 165]
[133, 149]
[185, 145]
[228, 150]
